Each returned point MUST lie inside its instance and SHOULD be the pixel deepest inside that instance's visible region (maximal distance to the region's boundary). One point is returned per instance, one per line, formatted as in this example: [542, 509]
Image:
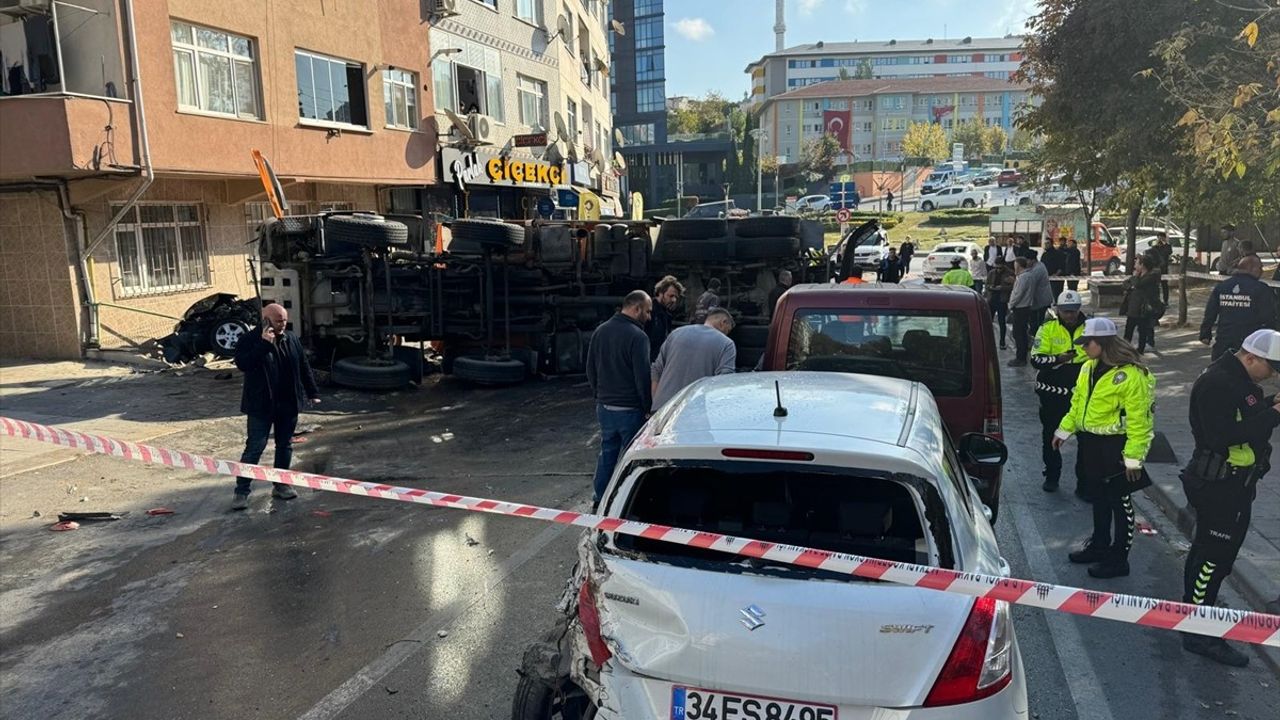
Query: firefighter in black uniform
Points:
[1232, 423]
[1058, 359]
[1239, 305]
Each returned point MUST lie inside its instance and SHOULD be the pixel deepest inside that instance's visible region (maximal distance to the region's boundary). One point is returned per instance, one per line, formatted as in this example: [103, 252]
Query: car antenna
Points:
[778, 412]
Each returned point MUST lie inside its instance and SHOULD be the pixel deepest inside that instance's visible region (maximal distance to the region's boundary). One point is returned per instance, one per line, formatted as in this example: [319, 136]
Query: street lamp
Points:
[760, 135]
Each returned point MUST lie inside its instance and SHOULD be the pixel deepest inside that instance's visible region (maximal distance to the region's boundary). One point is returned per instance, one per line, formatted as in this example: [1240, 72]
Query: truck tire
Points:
[366, 373]
[926, 206]
[770, 226]
[694, 251]
[484, 371]
[293, 225]
[696, 229]
[365, 231]
[492, 234]
[968, 204]
[765, 247]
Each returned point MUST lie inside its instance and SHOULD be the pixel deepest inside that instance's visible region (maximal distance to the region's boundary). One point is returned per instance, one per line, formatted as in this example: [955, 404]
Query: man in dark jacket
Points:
[906, 251]
[618, 372]
[890, 270]
[666, 296]
[1232, 422]
[1055, 263]
[277, 384]
[1071, 263]
[1238, 305]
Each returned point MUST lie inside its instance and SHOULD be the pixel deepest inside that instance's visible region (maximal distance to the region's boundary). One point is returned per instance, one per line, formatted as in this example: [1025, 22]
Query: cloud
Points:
[695, 29]
[808, 6]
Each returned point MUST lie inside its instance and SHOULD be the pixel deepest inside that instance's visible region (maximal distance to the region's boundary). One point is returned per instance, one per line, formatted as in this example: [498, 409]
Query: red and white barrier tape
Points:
[1241, 625]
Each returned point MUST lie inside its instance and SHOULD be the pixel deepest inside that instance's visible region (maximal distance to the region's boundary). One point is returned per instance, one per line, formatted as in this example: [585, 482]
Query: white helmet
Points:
[1069, 300]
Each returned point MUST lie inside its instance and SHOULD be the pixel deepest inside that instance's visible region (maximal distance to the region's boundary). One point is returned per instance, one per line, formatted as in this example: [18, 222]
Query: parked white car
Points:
[955, 196]
[813, 203]
[938, 261]
[659, 630]
[868, 254]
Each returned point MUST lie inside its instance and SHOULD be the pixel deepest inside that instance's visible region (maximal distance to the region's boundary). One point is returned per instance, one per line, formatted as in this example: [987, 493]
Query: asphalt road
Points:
[377, 609]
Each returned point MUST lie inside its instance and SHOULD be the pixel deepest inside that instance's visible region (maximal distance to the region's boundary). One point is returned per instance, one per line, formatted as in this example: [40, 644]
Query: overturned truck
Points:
[500, 301]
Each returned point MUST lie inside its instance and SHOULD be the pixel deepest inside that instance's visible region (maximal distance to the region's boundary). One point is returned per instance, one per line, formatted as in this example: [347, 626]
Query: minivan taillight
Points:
[589, 619]
[981, 663]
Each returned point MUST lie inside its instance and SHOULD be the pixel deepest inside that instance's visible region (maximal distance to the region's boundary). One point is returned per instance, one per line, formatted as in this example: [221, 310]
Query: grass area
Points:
[924, 235]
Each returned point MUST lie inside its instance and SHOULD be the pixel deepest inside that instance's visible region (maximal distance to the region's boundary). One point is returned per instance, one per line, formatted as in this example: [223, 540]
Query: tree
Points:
[925, 140]
[818, 158]
[710, 113]
[973, 135]
[843, 74]
[1022, 140]
[995, 140]
[864, 70]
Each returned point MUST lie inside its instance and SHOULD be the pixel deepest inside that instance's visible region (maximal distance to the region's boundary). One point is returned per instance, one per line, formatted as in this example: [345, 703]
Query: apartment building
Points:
[531, 78]
[127, 187]
[870, 117]
[803, 65]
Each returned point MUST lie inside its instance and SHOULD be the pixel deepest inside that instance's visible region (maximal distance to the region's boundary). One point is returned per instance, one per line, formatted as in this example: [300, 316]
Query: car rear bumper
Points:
[635, 697]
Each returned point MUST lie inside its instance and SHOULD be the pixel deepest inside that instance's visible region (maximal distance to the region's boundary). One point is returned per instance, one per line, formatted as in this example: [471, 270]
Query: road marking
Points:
[1077, 667]
[370, 675]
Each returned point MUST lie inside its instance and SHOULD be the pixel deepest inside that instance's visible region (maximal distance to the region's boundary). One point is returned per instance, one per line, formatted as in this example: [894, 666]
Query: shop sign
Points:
[465, 168]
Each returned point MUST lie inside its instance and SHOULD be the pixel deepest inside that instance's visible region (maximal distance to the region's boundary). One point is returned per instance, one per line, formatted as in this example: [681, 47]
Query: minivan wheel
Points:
[535, 699]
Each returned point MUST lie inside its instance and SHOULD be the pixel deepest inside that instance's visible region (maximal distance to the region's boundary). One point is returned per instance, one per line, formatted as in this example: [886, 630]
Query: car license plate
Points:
[697, 704]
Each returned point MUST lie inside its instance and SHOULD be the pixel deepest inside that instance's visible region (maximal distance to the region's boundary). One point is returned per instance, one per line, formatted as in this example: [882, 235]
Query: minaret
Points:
[779, 27]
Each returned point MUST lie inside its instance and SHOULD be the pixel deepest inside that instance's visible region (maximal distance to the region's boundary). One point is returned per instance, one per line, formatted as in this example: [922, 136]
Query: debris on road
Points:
[321, 513]
[35, 513]
[308, 428]
[90, 516]
[160, 511]
[442, 634]
[64, 526]
[180, 636]
[471, 542]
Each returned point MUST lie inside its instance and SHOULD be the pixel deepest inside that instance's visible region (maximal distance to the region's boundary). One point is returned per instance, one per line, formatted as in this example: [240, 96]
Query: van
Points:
[938, 335]
[938, 179]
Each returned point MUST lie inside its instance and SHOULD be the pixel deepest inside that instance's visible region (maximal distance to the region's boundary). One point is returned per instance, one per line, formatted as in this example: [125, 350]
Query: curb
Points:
[121, 357]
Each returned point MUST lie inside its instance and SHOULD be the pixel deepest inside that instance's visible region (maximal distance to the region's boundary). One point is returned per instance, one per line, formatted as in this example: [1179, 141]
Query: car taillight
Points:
[981, 663]
[589, 619]
[753, 454]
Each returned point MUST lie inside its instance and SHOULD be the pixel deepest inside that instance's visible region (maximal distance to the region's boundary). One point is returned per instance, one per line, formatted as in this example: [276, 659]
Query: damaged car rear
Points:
[850, 463]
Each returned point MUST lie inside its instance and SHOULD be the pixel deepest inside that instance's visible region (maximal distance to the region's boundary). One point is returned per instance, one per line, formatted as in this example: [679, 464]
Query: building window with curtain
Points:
[650, 98]
[530, 11]
[650, 65]
[161, 248]
[470, 84]
[215, 71]
[330, 90]
[573, 119]
[400, 96]
[533, 102]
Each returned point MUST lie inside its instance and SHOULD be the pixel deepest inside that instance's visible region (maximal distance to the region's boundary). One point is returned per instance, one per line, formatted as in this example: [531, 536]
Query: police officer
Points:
[1058, 358]
[1239, 305]
[1111, 414]
[1232, 423]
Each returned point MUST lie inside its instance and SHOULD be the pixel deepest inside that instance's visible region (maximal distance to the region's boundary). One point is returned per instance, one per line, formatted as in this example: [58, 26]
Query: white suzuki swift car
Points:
[856, 464]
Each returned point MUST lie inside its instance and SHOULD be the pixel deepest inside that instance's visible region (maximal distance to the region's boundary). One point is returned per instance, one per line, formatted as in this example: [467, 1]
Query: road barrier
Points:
[1240, 625]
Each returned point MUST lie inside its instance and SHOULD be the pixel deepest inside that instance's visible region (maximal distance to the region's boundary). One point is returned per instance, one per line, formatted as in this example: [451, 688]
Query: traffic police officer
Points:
[1058, 358]
[1111, 414]
[1232, 423]
[1239, 305]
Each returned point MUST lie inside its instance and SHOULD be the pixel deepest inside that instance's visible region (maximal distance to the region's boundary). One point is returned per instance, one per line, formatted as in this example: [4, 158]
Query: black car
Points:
[212, 325]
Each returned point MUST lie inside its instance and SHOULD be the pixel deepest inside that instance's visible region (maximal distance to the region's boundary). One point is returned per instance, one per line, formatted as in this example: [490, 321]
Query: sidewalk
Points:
[1178, 361]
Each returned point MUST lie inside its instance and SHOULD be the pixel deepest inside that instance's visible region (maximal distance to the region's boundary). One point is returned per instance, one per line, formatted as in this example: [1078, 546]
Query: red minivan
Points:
[939, 335]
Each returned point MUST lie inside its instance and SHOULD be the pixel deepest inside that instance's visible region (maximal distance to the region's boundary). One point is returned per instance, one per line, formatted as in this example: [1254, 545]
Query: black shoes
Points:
[1090, 553]
[283, 492]
[1049, 485]
[1216, 649]
[1016, 363]
[241, 501]
[1109, 569]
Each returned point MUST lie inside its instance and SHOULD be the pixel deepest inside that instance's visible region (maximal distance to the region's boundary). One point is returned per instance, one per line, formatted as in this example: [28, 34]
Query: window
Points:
[638, 134]
[470, 81]
[648, 7]
[215, 71]
[533, 102]
[650, 65]
[530, 10]
[650, 97]
[959, 58]
[649, 33]
[892, 102]
[572, 116]
[161, 248]
[330, 90]
[493, 4]
[998, 75]
[400, 96]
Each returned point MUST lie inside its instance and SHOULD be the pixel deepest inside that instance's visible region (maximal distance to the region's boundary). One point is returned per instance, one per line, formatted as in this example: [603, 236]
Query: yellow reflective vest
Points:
[1121, 402]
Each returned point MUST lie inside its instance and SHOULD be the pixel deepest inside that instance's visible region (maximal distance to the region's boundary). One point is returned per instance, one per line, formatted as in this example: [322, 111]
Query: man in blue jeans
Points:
[277, 385]
[618, 372]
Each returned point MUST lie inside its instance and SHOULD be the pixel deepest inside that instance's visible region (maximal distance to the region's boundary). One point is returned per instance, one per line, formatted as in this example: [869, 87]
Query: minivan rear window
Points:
[931, 347]
[838, 510]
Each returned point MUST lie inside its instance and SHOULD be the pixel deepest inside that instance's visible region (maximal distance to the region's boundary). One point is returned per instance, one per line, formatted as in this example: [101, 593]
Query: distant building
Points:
[803, 65]
[870, 117]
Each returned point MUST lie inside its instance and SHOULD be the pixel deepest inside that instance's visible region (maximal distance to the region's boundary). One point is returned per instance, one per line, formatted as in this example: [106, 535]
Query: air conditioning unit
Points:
[481, 128]
[444, 8]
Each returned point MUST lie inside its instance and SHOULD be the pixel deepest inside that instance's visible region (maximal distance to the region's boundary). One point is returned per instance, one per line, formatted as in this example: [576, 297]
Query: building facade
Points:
[870, 117]
[803, 65]
[127, 186]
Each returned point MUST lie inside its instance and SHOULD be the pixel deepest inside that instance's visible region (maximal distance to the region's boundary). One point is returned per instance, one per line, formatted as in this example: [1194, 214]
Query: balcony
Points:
[64, 136]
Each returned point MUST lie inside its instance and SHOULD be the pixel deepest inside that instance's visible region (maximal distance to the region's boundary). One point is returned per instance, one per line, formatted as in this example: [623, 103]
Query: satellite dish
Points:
[618, 139]
[562, 28]
[618, 27]
[573, 153]
[618, 162]
[460, 125]
[555, 152]
[597, 157]
[562, 130]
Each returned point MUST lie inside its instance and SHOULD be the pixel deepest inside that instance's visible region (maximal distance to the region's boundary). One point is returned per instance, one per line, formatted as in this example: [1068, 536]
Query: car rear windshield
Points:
[951, 249]
[931, 347]
[838, 510]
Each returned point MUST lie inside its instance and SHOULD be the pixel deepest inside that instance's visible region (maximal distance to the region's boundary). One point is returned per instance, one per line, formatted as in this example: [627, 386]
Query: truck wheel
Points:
[483, 371]
[365, 230]
[695, 229]
[224, 336]
[770, 226]
[1113, 267]
[366, 373]
[927, 206]
[968, 204]
[694, 251]
[293, 225]
[750, 248]
[1025, 200]
[493, 234]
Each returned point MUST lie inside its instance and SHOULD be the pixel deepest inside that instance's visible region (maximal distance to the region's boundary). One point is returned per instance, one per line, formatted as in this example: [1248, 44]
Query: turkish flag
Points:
[838, 124]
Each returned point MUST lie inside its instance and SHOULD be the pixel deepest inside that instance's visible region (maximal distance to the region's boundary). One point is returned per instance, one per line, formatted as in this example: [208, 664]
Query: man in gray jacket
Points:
[692, 353]
[1030, 299]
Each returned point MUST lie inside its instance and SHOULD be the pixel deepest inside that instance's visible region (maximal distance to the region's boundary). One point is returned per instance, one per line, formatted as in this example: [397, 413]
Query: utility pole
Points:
[759, 134]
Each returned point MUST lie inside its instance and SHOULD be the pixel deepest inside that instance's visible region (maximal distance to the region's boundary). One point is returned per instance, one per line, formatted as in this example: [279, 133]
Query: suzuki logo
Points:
[752, 617]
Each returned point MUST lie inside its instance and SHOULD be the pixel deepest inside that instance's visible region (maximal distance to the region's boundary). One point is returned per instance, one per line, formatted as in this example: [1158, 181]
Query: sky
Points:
[710, 42]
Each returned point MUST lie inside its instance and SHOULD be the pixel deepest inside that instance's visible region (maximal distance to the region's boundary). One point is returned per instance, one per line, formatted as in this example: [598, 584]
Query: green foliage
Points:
[710, 113]
[959, 216]
[818, 157]
[973, 134]
[864, 70]
[925, 140]
[995, 140]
